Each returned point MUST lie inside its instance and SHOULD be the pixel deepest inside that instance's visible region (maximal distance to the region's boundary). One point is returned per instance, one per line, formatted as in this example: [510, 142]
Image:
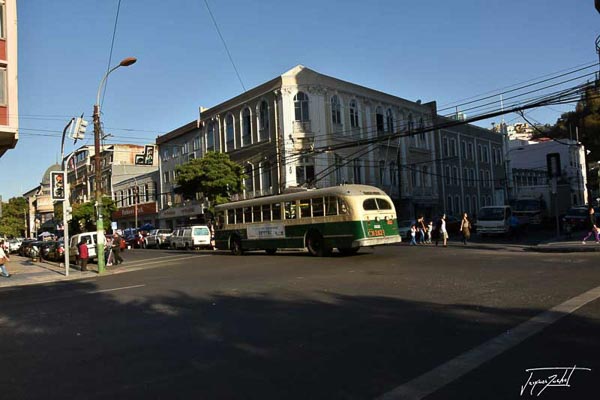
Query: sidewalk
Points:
[566, 246]
[26, 272]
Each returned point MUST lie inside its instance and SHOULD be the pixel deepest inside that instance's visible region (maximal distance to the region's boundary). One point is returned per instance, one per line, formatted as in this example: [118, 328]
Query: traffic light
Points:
[57, 185]
[80, 128]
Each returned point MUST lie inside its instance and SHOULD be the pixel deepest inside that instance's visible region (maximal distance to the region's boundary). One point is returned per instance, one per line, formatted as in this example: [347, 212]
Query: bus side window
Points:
[342, 207]
[230, 216]
[257, 213]
[276, 211]
[305, 208]
[290, 210]
[247, 215]
[239, 216]
[331, 205]
[220, 219]
[317, 207]
[266, 212]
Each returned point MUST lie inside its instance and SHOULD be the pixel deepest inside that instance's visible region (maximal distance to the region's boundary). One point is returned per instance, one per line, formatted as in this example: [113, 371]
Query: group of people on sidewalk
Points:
[422, 233]
[112, 252]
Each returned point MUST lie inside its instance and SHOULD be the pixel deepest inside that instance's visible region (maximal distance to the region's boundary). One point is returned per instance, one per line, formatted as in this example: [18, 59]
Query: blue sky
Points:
[431, 50]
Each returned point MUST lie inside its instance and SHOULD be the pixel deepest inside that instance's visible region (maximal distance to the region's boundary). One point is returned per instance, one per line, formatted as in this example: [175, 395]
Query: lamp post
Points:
[97, 165]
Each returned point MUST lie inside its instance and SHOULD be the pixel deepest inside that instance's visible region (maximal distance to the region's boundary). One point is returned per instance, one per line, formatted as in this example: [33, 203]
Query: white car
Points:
[191, 237]
[13, 245]
[157, 238]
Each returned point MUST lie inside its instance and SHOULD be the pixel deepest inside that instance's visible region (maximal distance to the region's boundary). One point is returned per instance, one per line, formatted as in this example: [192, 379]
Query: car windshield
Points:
[491, 214]
[527, 205]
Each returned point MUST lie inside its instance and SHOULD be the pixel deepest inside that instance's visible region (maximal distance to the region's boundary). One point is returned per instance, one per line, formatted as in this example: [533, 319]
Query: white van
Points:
[494, 220]
[92, 240]
[191, 237]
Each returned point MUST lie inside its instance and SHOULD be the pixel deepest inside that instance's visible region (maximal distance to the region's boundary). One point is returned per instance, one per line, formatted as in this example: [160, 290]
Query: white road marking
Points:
[163, 259]
[450, 371]
[114, 289]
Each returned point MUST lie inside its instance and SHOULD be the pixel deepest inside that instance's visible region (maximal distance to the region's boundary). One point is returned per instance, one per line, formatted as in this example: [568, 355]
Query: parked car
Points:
[135, 240]
[25, 245]
[404, 228]
[56, 252]
[576, 218]
[92, 240]
[191, 237]
[157, 237]
[13, 245]
[45, 248]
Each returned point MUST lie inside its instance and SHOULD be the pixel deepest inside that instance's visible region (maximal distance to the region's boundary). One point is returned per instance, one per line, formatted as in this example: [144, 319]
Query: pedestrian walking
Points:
[465, 228]
[413, 235]
[84, 254]
[591, 225]
[108, 253]
[443, 233]
[4, 259]
[429, 232]
[422, 229]
[116, 248]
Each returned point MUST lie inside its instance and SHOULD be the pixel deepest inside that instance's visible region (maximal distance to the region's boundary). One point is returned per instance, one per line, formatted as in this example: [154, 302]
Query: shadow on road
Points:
[68, 340]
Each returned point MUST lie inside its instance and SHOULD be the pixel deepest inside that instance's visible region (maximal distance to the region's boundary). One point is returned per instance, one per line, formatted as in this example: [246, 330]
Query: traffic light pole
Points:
[65, 202]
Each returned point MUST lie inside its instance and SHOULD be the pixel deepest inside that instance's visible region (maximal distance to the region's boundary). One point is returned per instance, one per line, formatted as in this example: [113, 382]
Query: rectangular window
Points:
[463, 149]
[331, 205]
[230, 216]
[317, 207]
[304, 208]
[257, 213]
[453, 145]
[239, 216]
[2, 13]
[247, 215]
[166, 176]
[448, 176]
[470, 151]
[276, 208]
[290, 209]
[3, 96]
[266, 212]
[445, 149]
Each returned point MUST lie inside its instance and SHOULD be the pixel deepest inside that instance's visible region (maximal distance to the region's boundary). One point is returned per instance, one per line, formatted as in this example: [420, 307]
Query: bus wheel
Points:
[349, 251]
[271, 251]
[316, 245]
[236, 246]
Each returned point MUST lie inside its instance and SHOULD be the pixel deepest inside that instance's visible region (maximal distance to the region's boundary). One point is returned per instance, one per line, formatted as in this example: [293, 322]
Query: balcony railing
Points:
[302, 127]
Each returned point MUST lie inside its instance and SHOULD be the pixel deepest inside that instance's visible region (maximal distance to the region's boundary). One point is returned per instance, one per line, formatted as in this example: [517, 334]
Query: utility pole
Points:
[97, 165]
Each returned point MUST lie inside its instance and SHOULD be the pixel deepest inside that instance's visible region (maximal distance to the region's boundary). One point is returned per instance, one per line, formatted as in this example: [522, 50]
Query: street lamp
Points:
[98, 173]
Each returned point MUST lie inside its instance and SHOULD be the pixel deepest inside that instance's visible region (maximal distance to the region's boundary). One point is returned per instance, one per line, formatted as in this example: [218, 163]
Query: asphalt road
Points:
[209, 325]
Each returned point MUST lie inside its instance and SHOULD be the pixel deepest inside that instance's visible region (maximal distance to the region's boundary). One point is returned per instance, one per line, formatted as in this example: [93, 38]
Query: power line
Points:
[225, 45]
[112, 43]
[496, 93]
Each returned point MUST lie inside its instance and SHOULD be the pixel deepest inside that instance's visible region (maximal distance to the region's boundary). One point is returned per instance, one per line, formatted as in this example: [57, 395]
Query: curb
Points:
[564, 249]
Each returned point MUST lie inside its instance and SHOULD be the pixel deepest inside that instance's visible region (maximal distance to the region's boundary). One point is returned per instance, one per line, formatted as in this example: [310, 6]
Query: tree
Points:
[214, 175]
[14, 216]
[84, 215]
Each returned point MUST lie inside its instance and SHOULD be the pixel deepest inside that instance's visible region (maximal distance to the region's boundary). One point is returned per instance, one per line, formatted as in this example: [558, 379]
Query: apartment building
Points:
[9, 105]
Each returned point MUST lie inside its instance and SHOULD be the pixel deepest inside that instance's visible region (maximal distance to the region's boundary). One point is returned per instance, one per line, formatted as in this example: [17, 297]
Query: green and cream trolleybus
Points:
[345, 217]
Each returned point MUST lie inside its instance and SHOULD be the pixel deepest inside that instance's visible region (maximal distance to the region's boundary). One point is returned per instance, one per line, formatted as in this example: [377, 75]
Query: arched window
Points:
[336, 112]
[265, 176]
[249, 179]
[389, 120]
[246, 127]
[229, 132]
[379, 120]
[210, 136]
[393, 173]
[353, 114]
[301, 107]
[410, 124]
[263, 121]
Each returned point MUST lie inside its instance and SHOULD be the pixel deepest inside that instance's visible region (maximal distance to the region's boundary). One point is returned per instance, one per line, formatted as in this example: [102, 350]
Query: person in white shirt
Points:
[3, 259]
